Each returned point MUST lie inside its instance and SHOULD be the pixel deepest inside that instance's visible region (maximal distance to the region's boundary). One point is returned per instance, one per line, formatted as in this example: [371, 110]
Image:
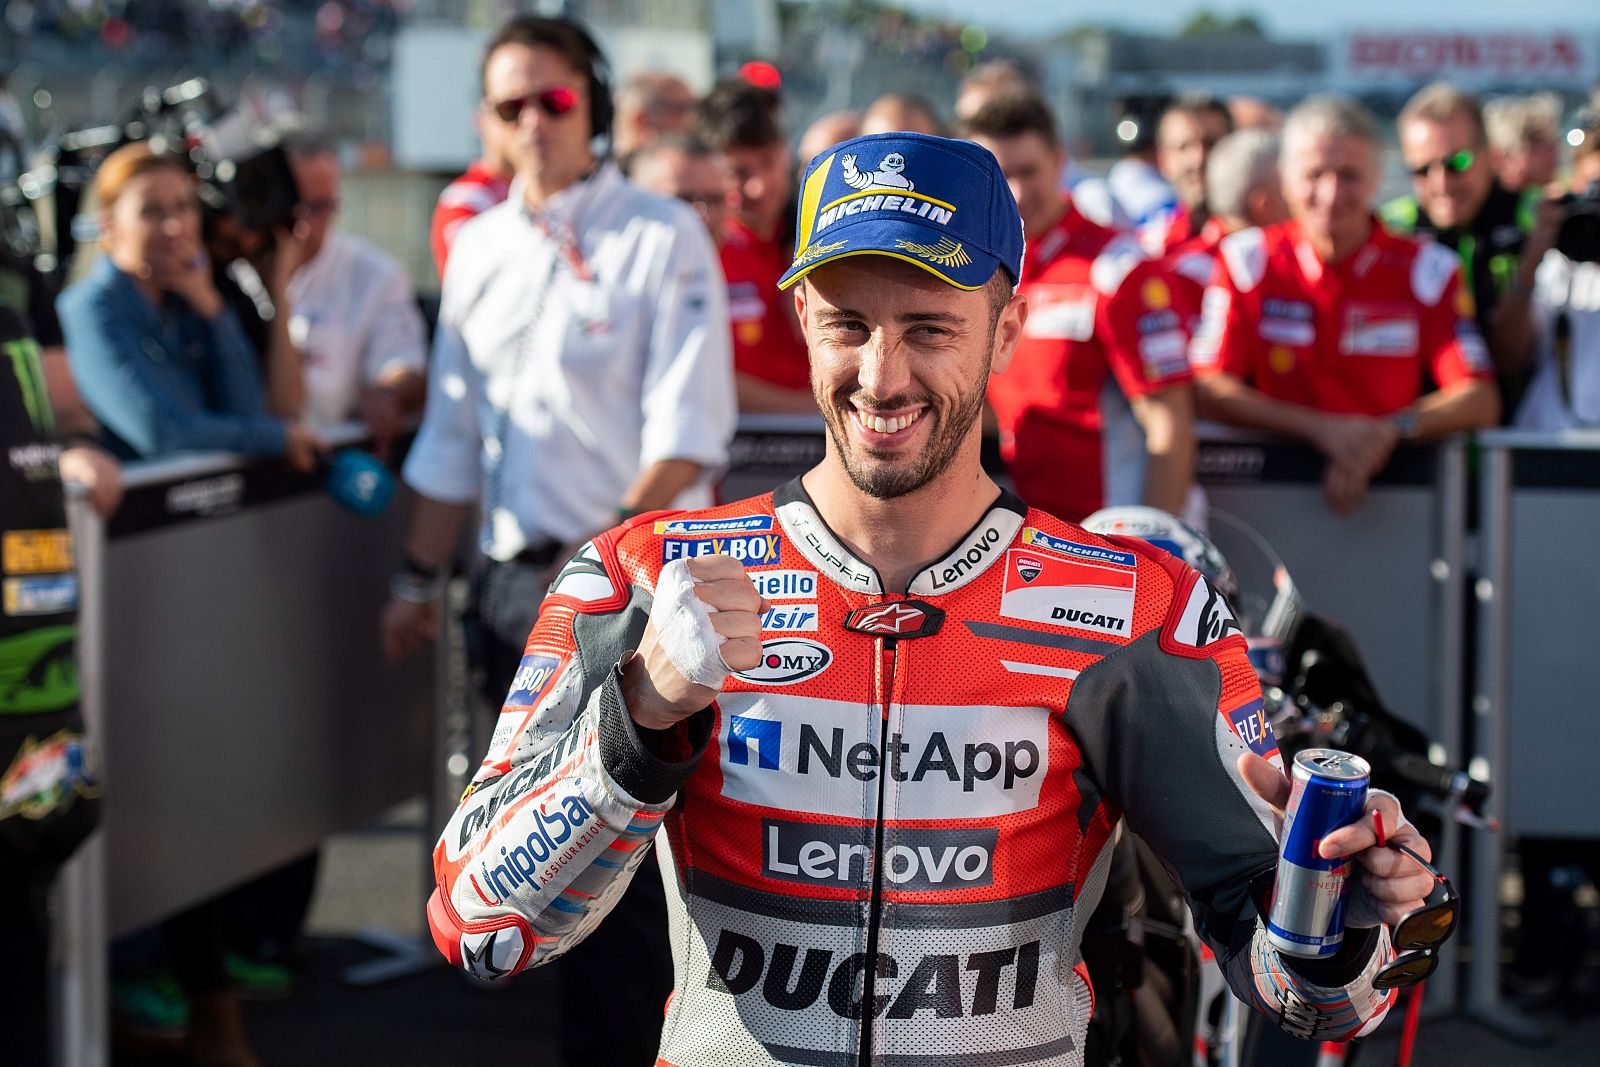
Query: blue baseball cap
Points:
[940, 203]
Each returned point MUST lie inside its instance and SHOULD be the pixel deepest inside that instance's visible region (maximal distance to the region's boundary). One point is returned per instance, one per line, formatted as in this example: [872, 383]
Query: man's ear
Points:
[800, 304]
[1008, 332]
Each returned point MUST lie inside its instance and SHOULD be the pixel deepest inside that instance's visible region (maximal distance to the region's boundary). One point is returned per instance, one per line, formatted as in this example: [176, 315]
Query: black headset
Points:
[601, 108]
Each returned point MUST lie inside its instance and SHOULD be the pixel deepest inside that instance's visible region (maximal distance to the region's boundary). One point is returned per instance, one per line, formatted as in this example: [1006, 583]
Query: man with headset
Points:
[581, 372]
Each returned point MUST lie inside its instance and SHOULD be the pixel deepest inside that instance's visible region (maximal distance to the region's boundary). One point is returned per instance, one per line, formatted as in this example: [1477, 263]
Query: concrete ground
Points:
[435, 1017]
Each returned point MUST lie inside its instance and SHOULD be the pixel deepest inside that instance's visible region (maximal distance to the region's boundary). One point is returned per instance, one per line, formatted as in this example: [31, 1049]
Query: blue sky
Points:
[1582, 16]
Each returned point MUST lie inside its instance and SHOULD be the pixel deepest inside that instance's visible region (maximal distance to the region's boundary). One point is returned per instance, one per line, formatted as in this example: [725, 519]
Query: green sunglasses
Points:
[1457, 163]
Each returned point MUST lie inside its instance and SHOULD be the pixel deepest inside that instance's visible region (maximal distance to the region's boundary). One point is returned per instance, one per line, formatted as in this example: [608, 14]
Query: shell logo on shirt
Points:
[1156, 295]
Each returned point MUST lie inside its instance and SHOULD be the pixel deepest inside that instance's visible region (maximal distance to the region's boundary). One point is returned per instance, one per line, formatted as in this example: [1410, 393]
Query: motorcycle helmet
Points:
[1169, 534]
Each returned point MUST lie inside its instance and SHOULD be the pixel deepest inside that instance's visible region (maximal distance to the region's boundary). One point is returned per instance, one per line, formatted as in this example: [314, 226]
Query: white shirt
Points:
[1549, 403]
[1140, 190]
[355, 317]
[630, 360]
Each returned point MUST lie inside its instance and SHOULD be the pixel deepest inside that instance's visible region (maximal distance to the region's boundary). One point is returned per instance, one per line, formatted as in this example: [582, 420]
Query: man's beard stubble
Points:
[944, 444]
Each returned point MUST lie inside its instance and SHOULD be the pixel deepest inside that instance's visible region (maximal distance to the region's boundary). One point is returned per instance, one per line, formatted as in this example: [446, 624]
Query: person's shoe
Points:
[151, 1005]
[259, 979]
[216, 1032]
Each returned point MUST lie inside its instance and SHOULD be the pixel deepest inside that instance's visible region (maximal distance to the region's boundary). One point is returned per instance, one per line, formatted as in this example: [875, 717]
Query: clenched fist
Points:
[706, 621]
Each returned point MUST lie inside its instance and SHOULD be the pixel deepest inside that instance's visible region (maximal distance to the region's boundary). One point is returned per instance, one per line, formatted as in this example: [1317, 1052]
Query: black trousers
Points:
[627, 960]
[25, 970]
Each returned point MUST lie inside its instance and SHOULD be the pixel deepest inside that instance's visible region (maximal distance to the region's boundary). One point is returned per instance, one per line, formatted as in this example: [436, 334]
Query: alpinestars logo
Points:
[903, 618]
[491, 955]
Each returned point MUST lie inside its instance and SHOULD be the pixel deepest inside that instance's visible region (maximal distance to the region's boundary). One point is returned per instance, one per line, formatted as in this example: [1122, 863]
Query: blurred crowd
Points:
[610, 307]
[352, 34]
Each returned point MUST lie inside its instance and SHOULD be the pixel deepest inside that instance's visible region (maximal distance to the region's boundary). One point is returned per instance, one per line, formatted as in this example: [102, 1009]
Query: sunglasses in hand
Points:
[1420, 932]
[554, 102]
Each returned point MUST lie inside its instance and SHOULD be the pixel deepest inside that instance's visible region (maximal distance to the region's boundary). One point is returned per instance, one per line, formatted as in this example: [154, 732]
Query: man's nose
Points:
[884, 371]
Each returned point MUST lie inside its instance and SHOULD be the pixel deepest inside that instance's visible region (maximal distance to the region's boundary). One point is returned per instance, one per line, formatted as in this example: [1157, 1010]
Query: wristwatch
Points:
[417, 583]
[1405, 424]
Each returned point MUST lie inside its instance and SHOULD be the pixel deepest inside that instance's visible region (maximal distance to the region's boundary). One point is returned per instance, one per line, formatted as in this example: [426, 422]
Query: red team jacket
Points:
[1363, 336]
[881, 841]
[1102, 325]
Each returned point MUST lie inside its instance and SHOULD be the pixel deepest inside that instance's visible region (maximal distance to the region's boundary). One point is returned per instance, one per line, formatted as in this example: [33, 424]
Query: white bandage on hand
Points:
[683, 627]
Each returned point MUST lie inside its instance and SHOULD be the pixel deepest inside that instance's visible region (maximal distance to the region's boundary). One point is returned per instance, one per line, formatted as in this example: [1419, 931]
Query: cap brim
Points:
[953, 262]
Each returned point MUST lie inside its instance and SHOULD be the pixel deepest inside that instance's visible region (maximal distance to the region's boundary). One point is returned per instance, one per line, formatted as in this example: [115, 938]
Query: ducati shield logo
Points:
[1028, 568]
[902, 618]
[787, 661]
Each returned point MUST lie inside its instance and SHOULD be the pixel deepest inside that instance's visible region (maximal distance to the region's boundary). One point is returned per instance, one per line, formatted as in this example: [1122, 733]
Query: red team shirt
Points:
[476, 191]
[1361, 337]
[1098, 312]
[767, 343]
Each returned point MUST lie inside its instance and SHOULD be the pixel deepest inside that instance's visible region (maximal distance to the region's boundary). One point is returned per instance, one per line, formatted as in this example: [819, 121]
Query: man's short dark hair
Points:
[692, 145]
[1199, 105]
[736, 114]
[999, 290]
[558, 35]
[1012, 115]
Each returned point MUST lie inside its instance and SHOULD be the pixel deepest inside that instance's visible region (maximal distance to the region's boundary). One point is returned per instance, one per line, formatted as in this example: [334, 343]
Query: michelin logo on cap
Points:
[939, 203]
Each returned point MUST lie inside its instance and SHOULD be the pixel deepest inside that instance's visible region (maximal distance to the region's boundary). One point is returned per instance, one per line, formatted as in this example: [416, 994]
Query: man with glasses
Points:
[352, 312]
[687, 167]
[580, 373]
[1457, 200]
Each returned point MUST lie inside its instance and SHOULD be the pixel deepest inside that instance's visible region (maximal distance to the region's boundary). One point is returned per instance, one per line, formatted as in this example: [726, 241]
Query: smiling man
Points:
[880, 723]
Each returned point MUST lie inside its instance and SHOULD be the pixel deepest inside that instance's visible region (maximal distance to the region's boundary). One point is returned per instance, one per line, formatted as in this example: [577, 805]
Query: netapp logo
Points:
[821, 755]
[919, 859]
[740, 964]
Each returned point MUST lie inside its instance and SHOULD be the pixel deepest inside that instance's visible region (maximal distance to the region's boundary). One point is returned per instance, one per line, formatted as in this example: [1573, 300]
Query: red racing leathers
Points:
[1102, 327]
[879, 844]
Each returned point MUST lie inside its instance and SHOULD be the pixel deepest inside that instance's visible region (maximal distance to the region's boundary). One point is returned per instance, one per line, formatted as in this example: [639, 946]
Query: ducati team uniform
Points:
[1102, 326]
[883, 840]
[1365, 336]
[767, 343]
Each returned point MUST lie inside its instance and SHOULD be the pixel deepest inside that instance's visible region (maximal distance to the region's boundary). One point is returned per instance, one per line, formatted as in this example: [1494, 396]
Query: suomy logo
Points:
[787, 661]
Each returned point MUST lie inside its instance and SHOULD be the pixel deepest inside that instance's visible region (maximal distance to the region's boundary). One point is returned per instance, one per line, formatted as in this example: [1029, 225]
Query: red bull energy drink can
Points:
[1328, 791]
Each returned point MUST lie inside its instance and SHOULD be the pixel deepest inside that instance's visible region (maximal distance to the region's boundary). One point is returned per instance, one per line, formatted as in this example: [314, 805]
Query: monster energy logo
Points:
[39, 671]
[24, 355]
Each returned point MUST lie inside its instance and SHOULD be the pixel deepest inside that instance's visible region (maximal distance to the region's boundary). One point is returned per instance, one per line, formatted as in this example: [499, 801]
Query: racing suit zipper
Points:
[869, 974]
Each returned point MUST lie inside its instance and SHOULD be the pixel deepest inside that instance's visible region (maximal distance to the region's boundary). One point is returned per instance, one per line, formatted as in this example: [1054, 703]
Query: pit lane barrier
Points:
[1538, 609]
[233, 684]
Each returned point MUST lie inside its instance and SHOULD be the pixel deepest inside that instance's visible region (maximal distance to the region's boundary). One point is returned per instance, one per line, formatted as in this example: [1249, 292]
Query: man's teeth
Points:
[883, 425]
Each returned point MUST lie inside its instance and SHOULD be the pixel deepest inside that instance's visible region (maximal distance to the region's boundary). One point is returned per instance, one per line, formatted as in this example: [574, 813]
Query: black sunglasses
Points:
[1455, 163]
[555, 102]
[1419, 933]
